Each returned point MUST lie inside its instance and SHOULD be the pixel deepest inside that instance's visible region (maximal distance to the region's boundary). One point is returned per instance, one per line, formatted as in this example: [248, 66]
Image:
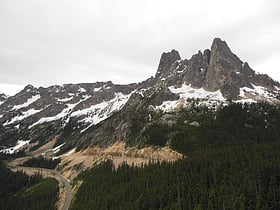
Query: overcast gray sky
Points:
[50, 42]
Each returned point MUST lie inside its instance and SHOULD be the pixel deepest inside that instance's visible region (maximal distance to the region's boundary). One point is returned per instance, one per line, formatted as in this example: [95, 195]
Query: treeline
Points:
[42, 162]
[19, 191]
[232, 162]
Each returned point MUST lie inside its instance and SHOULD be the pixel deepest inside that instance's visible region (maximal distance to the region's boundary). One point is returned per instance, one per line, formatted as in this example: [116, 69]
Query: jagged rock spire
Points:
[222, 64]
[166, 61]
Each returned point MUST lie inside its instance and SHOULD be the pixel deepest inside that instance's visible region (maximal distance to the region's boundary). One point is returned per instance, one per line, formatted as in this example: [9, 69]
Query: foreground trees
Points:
[19, 191]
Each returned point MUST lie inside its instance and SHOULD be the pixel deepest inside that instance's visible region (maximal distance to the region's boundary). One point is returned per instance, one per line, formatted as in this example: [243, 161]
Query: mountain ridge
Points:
[102, 112]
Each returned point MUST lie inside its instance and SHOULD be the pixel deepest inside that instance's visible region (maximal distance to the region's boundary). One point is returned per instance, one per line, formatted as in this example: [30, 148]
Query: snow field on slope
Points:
[99, 112]
[60, 115]
[65, 99]
[27, 103]
[93, 115]
[257, 92]
[187, 92]
[22, 116]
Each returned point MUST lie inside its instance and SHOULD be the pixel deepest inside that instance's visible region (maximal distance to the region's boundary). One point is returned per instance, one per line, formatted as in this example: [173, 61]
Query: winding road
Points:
[67, 188]
[58, 177]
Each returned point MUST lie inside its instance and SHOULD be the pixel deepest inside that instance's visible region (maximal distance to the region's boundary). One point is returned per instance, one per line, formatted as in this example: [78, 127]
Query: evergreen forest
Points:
[232, 161]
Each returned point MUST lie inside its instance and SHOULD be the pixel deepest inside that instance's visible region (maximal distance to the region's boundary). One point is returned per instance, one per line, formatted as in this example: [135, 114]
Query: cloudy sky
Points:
[50, 42]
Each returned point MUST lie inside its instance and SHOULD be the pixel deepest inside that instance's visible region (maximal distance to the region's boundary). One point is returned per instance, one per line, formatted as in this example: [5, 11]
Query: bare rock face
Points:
[197, 68]
[223, 63]
[166, 61]
[3, 97]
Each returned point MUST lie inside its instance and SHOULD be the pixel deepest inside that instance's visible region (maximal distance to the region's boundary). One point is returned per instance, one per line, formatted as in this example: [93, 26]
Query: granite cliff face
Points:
[222, 64]
[102, 113]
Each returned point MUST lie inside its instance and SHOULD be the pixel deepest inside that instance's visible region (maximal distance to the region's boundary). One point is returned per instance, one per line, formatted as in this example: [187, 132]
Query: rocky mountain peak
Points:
[222, 64]
[29, 87]
[214, 69]
[166, 61]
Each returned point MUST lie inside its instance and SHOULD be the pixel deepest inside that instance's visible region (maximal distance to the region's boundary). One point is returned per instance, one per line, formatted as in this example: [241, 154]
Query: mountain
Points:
[217, 70]
[102, 113]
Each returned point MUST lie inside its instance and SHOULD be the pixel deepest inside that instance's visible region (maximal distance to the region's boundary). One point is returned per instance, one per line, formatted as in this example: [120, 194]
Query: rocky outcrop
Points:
[3, 97]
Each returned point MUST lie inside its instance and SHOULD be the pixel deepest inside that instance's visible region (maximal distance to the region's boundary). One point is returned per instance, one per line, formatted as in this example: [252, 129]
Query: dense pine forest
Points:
[232, 161]
[20, 191]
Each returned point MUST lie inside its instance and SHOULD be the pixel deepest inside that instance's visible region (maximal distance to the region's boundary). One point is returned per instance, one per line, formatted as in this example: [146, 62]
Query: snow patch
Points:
[252, 95]
[62, 114]
[65, 99]
[245, 100]
[168, 106]
[70, 152]
[82, 90]
[22, 116]
[57, 149]
[97, 89]
[12, 150]
[243, 90]
[276, 87]
[141, 92]
[29, 101]
[187, 92]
